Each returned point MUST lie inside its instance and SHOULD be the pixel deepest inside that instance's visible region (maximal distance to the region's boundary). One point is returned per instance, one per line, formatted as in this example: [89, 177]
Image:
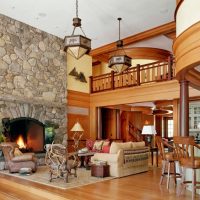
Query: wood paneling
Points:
[79, 99]
[83, 120]
[187, 49]
[163, 29]
[109, 123]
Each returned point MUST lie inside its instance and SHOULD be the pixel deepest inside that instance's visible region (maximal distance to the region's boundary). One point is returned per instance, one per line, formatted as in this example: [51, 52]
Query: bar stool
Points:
[184, 149]
[168, 161]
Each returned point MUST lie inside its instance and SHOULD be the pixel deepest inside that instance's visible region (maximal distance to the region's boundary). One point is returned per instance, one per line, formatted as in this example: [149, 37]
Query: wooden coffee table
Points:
[100, 170]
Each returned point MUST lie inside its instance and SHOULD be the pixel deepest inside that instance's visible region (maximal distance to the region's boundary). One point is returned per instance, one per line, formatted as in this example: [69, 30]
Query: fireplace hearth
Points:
[28, 133]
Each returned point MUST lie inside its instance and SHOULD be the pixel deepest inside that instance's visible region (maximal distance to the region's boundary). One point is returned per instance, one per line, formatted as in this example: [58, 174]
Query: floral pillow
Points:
[17, 152]
[89, 144]
[98, 145]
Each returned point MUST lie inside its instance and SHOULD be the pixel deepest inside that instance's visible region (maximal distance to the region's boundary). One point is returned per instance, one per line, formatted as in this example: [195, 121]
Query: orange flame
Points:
[21, 143]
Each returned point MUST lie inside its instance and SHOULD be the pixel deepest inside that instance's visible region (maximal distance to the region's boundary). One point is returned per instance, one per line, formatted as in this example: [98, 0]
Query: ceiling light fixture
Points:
[77, 45]
[121, 62]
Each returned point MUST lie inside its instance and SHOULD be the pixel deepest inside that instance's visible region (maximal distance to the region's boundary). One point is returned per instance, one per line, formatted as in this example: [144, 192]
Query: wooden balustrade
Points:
[134, 76]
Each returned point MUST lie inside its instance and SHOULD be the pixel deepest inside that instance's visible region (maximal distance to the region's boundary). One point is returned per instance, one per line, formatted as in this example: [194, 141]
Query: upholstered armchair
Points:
[15, 160]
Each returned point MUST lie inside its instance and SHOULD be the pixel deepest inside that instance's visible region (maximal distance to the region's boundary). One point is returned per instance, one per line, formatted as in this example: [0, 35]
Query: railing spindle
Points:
[112, 80]
[138, 74]
[169, 68]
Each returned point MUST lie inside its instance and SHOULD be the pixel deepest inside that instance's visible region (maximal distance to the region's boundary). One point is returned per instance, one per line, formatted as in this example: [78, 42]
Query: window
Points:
[194, 115]
[170, 127]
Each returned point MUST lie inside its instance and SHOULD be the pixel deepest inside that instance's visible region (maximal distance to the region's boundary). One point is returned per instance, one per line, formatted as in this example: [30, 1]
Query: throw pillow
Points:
[89, 144]
[98, 145]
[17, 152]
[105, 143]
[106, 149]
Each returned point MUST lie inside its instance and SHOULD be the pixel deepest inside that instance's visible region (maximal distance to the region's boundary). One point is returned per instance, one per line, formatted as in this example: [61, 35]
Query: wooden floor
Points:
[144, 186]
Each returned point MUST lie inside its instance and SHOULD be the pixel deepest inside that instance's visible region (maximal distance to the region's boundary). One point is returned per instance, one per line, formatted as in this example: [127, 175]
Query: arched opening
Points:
[30, 130]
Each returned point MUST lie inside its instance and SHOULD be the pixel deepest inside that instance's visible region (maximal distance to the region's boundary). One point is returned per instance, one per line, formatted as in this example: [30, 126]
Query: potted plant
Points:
[2, 137]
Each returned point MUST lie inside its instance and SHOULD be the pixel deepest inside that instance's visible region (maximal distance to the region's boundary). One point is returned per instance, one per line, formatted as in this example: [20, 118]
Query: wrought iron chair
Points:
[60, 162]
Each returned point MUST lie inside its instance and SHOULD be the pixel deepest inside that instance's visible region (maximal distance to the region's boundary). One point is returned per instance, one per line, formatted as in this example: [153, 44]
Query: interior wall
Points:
[101, 68]
[84, 65]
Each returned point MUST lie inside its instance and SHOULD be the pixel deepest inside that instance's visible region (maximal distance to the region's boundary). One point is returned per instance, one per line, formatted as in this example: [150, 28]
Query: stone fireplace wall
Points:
[32, 74]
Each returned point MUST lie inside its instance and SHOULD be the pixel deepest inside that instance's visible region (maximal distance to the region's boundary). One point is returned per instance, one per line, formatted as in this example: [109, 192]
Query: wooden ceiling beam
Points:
[160, 30]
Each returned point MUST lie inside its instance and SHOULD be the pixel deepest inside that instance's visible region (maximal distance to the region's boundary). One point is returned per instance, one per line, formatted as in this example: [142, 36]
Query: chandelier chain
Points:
[82, 31]
[77, 8]
[119, 19]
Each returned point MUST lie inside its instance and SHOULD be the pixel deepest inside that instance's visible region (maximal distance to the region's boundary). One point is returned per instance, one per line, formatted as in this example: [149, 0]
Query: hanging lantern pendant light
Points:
[119, 63]
[77, 45]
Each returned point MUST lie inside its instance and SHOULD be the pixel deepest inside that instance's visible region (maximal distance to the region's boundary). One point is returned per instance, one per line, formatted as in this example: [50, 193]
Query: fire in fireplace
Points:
[20, 142]
[28, 133]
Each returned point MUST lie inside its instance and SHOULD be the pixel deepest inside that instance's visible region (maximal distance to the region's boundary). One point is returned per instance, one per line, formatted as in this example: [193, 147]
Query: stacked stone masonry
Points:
[32, 74]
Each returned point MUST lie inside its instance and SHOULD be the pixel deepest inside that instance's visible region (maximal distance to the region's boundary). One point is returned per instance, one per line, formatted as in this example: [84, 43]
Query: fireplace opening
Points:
[28, 133]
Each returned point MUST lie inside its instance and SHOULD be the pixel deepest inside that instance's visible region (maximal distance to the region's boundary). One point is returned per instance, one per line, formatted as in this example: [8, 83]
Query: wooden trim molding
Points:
[178, 5]
[187, 50]
[163, 29]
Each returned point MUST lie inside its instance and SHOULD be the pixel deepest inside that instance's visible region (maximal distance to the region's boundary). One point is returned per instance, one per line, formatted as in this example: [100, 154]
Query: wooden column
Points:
[184, 108]
[91, 84]
[176, 117]
[118, 129]
[99, 123]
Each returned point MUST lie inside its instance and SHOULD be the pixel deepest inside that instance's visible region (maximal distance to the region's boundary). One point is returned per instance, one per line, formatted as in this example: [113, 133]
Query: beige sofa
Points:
[125, 158]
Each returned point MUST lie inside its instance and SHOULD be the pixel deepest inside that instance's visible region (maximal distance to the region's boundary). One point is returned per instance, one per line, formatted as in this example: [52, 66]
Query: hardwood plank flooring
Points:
[144, 186]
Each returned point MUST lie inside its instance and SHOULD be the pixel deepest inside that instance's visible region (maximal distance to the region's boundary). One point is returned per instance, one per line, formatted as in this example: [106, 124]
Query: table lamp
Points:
[149, 130]
[78, 132]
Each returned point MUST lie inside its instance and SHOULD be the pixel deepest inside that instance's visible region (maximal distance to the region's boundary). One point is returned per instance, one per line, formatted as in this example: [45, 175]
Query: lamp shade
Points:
[119, 63]
[149, 130]
[77, 127]
[77, 45]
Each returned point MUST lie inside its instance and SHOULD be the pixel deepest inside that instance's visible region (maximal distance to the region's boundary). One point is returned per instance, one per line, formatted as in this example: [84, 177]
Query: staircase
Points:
[135, 133]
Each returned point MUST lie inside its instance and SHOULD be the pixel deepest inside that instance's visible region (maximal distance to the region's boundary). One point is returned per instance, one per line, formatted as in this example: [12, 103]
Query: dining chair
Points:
[169, 161]
[185, 148]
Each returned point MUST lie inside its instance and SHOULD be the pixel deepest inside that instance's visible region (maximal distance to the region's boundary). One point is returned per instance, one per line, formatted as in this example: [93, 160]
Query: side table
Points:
[100, 170]
[85, 158]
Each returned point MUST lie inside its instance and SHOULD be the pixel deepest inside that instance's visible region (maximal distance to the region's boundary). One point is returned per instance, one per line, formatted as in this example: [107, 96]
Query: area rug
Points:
[42, 176]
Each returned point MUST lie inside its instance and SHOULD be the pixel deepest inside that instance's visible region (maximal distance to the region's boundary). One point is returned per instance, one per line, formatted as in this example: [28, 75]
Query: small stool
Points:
[100, 170]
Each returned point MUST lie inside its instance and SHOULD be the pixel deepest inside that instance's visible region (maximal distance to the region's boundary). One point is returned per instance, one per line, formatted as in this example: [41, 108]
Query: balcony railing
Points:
[135, 76]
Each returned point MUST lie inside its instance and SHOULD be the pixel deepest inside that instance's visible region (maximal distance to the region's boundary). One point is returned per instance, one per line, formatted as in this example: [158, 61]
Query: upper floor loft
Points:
[135, 76]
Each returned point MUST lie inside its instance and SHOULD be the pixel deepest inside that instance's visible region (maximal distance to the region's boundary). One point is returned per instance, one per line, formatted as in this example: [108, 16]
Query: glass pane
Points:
[170, 124]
